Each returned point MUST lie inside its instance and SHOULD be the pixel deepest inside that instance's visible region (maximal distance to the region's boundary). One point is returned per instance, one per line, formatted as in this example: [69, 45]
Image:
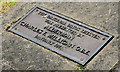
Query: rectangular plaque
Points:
[63, 35]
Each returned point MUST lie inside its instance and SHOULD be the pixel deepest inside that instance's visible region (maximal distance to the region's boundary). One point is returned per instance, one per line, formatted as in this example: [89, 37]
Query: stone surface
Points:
[116, 67]
[0, 44]
[21, 54]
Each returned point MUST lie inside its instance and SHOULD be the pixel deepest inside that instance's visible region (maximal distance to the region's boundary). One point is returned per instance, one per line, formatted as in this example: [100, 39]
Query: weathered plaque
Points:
[65, 36]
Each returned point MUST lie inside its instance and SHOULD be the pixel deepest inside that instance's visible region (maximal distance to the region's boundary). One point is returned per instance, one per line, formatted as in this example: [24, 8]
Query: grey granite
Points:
[21, 54]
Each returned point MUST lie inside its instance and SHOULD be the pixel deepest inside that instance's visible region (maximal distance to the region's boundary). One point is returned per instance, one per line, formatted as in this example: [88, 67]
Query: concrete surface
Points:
[21, 54]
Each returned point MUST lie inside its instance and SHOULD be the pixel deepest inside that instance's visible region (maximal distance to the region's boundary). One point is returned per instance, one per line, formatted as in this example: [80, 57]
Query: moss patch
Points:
[80, 67]
[5, 6]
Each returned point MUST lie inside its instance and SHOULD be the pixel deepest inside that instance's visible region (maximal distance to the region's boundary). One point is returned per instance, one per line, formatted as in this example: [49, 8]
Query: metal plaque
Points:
[63, 35]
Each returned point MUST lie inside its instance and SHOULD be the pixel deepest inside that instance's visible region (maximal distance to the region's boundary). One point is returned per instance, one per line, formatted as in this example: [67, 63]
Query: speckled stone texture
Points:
[21, 54]
[0, 44]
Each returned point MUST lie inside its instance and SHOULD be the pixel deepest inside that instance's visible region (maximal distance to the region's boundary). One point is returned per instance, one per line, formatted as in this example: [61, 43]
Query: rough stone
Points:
[21, 54]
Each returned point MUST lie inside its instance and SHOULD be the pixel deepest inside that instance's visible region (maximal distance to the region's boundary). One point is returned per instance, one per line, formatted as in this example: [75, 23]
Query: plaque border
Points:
[110, 37]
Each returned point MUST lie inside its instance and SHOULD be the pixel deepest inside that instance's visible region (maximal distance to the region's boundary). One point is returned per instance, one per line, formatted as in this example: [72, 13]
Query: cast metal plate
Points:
[63, 35]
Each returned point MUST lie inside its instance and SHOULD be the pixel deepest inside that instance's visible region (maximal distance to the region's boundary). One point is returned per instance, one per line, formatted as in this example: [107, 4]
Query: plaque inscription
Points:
[61, 34]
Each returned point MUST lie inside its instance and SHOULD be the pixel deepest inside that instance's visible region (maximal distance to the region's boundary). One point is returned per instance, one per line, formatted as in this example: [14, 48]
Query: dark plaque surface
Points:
[61, 34]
